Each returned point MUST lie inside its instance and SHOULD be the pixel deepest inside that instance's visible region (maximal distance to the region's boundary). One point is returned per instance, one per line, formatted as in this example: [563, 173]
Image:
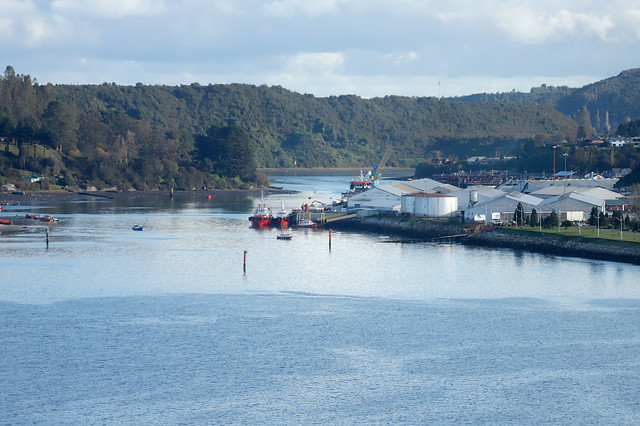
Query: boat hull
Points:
[260, 221]
[280, 222]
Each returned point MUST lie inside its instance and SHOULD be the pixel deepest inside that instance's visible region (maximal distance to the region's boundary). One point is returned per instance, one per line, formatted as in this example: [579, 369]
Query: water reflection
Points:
[194, 245]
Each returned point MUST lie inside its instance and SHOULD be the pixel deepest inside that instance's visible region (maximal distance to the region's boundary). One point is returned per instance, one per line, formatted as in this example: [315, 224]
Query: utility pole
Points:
[565, 172]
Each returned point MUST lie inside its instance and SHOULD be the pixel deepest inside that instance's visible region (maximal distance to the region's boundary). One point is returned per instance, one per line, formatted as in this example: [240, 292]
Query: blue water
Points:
[163, 326]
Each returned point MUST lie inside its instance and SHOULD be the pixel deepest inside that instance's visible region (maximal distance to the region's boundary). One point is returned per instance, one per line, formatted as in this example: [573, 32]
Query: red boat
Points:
[281, 219]
[261, 216]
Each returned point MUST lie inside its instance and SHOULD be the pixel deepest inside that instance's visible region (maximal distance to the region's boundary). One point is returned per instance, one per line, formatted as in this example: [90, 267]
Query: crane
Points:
[377, 169]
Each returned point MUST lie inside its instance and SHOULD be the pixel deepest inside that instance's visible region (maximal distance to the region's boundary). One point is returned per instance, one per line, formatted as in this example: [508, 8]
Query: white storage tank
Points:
[435, 205]
[407, 204]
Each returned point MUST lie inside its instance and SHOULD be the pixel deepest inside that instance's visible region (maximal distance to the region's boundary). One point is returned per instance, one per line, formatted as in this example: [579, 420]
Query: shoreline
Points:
[63, 195]
[558, 245]
[334, 171]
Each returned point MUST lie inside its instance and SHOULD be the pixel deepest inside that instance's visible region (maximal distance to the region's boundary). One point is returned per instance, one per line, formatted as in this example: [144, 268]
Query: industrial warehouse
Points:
[571, 199]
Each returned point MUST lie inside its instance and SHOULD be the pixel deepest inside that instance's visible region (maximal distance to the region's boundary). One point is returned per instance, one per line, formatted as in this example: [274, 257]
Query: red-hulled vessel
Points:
[281, 219]
[261, 216]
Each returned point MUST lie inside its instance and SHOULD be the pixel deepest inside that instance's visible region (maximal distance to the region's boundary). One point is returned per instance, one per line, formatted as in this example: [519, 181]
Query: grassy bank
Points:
[567, 242]
[584, 232]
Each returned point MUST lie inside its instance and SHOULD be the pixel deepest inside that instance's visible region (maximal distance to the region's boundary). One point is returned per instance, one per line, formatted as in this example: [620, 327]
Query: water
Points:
[109, 325]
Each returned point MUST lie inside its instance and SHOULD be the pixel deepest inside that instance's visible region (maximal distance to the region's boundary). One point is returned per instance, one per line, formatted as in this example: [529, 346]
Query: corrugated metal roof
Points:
[574, 196]
[405, 188]
[429, 195]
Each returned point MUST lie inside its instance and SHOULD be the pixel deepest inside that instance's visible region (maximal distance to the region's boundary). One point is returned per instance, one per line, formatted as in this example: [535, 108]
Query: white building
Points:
[502, 205]
[471, 195]
[574, 205]
[595, 192]
[425, 204]
[388, 196]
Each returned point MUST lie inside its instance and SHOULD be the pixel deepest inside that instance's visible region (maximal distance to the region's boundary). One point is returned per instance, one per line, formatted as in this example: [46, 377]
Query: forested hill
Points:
[150, 130]
[616, 97]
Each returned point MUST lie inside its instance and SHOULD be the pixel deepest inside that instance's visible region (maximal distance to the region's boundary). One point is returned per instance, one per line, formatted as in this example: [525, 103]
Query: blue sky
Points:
[324, 47]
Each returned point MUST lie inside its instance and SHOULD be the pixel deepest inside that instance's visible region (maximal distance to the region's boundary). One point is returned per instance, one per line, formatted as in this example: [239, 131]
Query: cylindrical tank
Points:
[473, 197]
[435, 205]
[407, 204]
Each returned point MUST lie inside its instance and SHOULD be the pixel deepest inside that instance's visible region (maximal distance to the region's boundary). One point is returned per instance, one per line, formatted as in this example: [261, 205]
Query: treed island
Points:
[145, 137]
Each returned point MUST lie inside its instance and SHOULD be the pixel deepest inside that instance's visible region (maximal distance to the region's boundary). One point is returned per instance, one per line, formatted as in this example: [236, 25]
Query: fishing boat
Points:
[261, 216]
[281, 219]
[307, 223]
[359, 184]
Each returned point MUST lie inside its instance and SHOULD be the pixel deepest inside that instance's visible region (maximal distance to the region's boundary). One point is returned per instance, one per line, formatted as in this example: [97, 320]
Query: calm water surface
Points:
[109, 325]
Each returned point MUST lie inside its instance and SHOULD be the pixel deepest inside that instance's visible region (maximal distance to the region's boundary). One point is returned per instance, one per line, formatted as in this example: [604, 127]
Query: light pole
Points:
[540, 220]
[565, 172]
[554, 162]
[621, 219]
[559, 216]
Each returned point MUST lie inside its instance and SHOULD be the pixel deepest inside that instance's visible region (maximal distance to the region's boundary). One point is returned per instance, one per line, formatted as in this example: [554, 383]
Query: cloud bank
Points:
[324, 47]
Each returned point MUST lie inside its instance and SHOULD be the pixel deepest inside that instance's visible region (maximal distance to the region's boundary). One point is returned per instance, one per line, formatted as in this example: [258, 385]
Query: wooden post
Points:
[244, 266]
[329, 239]
[47, 236]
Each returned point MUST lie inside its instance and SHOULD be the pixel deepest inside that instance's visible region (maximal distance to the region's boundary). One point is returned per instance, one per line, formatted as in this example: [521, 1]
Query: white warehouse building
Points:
[573, 205]
[501, 204]
[388, 196]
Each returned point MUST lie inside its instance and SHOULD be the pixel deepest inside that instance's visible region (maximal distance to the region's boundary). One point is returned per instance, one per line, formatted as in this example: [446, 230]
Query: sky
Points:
[369, 48]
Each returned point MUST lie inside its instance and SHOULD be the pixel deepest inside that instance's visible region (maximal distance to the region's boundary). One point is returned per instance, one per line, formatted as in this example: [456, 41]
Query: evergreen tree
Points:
[227, 151]
[533, 219]
[518, 215]
[551, 220]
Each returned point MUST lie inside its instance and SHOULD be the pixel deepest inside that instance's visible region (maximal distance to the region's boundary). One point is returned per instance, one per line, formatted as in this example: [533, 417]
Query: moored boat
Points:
[284, 237]
[137, 227]
[307, 223]
[281, 219]
[261, 216]
[359, 184]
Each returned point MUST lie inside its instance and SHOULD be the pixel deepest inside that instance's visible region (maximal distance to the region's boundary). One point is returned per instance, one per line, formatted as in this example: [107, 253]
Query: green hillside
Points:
[144, 135]
[613, 100]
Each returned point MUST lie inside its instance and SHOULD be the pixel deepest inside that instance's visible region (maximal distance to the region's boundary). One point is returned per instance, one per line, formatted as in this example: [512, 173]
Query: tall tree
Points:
[229, 151]
[60, 125]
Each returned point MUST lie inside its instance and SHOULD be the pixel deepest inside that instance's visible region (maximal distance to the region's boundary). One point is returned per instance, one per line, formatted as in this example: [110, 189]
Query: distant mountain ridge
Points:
[618, 96]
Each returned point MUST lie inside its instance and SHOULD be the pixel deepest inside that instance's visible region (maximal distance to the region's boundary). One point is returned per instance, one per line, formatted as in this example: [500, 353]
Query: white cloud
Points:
[109, 9]
[307, 63]
[23, 24]
[366, 47]
[526, 25]
[291, 8]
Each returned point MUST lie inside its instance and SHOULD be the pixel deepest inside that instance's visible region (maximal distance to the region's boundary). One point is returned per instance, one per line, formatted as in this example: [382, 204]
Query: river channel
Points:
[170, 325]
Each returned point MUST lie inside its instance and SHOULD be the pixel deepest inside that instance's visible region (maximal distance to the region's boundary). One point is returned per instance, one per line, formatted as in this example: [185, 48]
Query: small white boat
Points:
[307, 223]
[284, 236]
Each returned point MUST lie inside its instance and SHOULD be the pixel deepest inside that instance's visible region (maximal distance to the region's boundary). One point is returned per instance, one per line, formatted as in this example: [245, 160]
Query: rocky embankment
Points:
[561, 245]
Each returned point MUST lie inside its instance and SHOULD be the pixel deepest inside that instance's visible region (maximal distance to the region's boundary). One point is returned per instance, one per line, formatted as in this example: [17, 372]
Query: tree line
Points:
[147, 136]
[150, 136]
